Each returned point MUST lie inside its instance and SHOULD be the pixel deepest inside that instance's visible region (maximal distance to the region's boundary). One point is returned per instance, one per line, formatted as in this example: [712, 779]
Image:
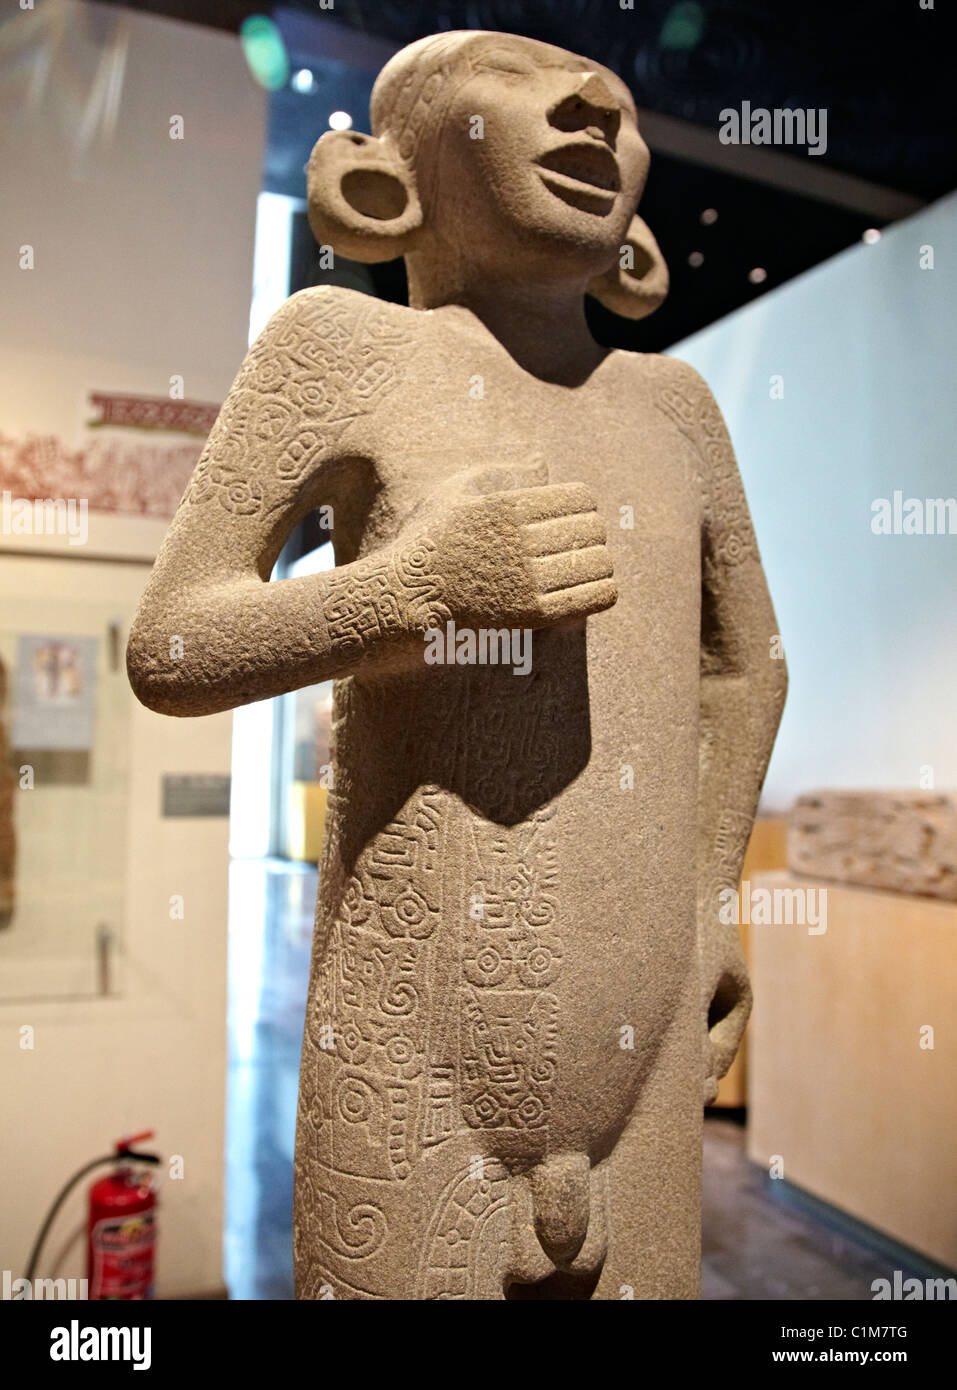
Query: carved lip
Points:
[582, 172]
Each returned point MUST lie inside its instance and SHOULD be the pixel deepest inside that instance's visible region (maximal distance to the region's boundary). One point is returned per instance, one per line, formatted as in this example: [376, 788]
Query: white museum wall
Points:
[865, 345]
[143, 243]
[143, 270]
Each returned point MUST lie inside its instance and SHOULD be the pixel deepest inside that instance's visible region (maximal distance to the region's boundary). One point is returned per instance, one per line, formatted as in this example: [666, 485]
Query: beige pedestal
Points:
[840, 1087]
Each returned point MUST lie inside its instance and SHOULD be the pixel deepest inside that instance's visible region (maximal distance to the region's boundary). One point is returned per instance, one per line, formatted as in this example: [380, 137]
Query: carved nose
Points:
[597, 93]
[591, 107]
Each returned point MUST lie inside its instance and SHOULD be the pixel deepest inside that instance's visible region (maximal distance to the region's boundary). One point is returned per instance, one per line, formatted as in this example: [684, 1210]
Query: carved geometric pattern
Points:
[470, 1219]
[692, 408]
[319, 366]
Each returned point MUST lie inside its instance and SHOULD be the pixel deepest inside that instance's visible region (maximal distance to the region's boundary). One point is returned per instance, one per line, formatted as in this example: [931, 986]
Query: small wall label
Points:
[195, 794]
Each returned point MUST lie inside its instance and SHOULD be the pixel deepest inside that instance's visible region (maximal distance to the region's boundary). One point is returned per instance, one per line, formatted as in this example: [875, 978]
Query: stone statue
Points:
[555, 694]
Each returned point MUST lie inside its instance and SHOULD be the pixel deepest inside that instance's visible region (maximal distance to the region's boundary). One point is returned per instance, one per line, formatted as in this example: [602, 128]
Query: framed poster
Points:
[54, 692]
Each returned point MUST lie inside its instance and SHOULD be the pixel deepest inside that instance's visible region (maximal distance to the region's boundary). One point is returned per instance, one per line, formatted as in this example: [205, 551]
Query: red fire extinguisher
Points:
[121, 1230]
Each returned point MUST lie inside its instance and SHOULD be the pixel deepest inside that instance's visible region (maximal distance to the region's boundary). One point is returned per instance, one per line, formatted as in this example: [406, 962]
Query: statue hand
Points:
[517, 551]
[726, 1000]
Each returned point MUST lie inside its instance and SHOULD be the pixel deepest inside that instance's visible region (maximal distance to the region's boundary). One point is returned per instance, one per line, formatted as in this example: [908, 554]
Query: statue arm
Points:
[742, 689]
[211, 632]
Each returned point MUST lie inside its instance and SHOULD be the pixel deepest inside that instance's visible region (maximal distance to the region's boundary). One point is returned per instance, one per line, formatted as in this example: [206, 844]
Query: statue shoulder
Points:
[670, 374]
[323, 331]
[684, 397]
[681, 394]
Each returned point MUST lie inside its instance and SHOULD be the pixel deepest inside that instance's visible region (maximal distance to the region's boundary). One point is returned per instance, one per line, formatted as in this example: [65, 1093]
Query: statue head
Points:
[497, 156]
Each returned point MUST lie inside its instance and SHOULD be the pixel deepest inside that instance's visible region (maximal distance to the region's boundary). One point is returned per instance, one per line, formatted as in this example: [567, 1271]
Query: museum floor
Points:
[761, 1239]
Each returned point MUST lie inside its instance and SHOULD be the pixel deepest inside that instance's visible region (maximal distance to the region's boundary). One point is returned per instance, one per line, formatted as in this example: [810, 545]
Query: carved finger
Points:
[560, 533]
[571, 568]
[579, 601]
[556, 499]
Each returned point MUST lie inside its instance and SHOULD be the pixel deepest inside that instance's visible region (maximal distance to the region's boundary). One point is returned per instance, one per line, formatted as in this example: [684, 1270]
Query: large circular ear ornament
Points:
[637, 284]
[362, 197]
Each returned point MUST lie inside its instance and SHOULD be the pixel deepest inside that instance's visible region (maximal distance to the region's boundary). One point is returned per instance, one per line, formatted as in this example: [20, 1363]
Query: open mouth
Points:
[584, 175]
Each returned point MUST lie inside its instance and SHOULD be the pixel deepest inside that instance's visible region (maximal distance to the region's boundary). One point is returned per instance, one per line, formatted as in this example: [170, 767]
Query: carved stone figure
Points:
[521, 992]
[902, 841]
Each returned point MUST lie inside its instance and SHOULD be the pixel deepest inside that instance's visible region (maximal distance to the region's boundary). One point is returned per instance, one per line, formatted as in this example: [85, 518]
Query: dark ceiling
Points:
[880, 70]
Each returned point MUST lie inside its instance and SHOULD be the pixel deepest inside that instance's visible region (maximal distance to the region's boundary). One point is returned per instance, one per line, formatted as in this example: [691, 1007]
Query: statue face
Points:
[558, 167]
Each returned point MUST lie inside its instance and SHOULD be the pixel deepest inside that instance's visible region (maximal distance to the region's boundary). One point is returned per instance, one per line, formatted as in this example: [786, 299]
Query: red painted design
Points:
[113, 475]
[154, 413]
